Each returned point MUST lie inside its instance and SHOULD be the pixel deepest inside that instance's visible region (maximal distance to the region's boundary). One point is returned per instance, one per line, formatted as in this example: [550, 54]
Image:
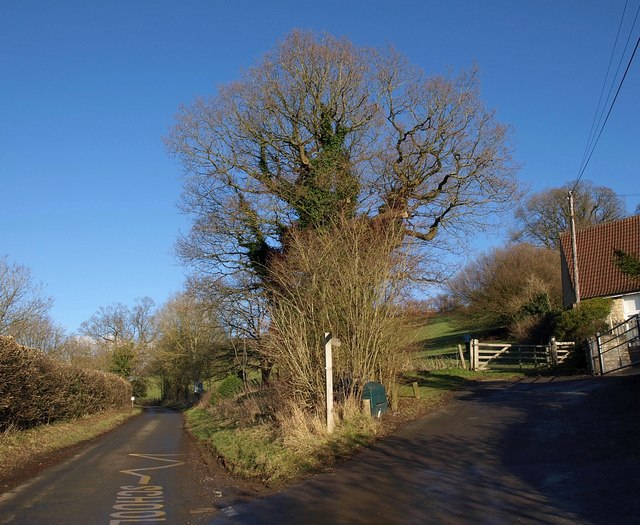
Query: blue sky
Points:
[88, 90]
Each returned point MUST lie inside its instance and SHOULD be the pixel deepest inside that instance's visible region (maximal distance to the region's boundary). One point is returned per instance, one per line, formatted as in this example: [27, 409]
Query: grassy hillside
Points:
[441, 335]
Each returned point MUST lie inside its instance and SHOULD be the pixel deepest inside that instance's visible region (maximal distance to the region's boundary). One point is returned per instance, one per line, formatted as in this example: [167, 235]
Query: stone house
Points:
[598, 276]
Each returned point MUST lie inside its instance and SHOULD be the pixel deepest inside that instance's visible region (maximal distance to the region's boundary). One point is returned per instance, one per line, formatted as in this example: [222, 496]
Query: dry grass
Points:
[290, 443]
[21, 448]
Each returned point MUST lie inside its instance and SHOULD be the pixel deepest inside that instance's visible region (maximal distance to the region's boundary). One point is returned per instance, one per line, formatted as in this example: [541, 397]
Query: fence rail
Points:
[495, 355]
[616, 349]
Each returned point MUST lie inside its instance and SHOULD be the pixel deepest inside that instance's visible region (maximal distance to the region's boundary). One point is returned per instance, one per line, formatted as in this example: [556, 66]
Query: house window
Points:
[631, 305]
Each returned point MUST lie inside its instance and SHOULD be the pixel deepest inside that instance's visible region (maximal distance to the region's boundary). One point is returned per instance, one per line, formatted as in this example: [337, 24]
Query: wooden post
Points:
[474, 358]
[416, 390]
[461, 354]
[329, 379]
[553, 351]
[395, 395]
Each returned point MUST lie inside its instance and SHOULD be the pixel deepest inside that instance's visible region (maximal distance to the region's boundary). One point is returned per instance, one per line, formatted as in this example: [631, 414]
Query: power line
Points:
[594, 136]
[604, 84]
[608, 114]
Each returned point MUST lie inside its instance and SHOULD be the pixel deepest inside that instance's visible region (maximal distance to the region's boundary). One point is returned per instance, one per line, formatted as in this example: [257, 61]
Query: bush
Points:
[513, 287]
[349, 279]
[230, 387]
[139, 386]
[36, 389]
[583, 321]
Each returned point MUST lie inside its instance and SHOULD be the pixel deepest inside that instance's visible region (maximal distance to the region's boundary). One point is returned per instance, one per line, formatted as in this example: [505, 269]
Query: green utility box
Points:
[377, 396]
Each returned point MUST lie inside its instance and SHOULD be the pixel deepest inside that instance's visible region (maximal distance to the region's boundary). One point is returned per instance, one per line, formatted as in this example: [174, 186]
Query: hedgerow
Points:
[35, 389]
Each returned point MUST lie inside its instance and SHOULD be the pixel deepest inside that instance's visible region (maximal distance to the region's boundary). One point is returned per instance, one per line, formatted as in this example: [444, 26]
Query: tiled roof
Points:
[598, 275]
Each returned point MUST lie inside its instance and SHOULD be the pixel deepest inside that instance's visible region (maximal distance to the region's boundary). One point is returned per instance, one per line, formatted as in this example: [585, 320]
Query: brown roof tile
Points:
[599, 276]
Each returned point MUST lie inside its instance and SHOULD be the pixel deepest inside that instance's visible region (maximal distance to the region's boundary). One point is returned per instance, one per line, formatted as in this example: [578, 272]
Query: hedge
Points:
[35, 389]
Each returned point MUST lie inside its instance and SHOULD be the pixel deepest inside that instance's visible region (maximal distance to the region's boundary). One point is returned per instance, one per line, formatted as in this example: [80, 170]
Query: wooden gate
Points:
[508, 355]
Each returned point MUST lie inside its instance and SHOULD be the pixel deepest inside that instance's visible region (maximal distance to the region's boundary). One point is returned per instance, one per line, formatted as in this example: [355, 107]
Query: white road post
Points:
[329, 379]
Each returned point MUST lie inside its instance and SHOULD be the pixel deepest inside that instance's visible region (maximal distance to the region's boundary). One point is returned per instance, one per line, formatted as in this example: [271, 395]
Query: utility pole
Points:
[574, 248]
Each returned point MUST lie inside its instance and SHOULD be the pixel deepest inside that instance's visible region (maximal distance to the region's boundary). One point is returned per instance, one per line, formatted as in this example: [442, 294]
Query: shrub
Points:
[583, 321]
[230, 387]
[139, 386]
[513, 287]
[347, 279]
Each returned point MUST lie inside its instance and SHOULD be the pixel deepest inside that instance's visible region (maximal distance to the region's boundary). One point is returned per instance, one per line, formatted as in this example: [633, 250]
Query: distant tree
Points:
[512, 287]
[189, 341]
[241, 307]
[83, 352]
[545, 215]
[123, 333]
[43, 334]
[23, 307]
[109, 325]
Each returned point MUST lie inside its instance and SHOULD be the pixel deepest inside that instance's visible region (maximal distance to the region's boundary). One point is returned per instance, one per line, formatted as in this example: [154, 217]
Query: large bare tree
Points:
[320, 128]
[545, 215]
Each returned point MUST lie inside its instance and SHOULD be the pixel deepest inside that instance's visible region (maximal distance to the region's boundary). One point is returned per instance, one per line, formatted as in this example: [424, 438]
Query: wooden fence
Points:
[483, 356]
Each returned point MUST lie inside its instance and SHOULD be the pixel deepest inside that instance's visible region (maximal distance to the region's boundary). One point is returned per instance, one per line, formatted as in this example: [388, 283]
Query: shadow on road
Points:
[554, 451]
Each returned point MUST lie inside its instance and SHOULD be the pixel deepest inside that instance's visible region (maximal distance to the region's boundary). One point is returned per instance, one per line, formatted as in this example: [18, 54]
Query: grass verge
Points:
[21, 449]
[280, 451]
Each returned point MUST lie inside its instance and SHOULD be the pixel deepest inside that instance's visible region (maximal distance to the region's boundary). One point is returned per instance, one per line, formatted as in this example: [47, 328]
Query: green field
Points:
[440, 336]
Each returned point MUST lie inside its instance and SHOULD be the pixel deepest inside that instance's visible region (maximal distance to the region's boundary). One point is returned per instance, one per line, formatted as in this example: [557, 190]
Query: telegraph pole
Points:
[574, 248]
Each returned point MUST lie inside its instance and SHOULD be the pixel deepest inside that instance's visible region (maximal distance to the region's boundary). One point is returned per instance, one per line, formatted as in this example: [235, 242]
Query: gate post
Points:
[553, 351]
[473, 354]
[600, 356]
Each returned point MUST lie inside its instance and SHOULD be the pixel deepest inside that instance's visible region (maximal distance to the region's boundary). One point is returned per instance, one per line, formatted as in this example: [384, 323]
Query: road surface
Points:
[136, 474]
[537, 451]
[545, 451]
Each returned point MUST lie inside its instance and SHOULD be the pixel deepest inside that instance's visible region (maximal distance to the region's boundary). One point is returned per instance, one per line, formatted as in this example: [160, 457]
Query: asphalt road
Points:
[550, 450]
[136, 474]
[554, 451]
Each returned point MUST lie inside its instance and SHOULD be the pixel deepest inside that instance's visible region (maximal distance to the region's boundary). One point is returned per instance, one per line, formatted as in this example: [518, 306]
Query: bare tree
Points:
[545, 215]
[124, 333]
[241, 309]
[22, 302]
[110, 325]
[318, 133]
[320, 129]
[83, 352]
[43, 334]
